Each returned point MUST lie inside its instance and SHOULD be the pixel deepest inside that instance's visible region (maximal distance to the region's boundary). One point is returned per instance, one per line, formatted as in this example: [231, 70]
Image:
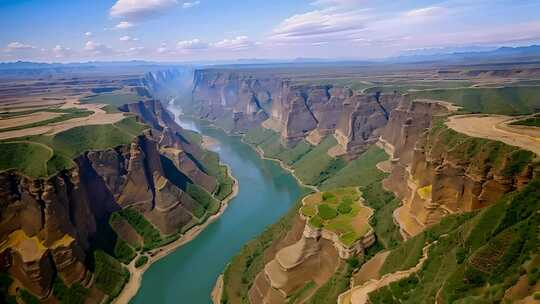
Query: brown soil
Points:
[496, 127]
[370, 269]
[26, 119]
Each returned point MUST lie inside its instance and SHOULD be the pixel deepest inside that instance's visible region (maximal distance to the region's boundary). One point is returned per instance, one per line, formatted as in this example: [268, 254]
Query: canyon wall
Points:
[296, 111]
[50, 226]
[437, 171]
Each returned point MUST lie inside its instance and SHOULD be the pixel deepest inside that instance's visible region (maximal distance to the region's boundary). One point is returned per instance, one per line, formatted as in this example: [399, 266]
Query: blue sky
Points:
[185, 30]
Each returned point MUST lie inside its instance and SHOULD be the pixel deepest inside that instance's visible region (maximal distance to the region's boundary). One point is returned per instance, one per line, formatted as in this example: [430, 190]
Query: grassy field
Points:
[45, 155]
[311, 164]
[477, 256]
[505, 101]
[338, 211]
[116, 99]
[67, 114]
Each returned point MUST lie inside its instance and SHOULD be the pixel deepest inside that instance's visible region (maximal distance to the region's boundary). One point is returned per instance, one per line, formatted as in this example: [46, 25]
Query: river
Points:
[266, 193]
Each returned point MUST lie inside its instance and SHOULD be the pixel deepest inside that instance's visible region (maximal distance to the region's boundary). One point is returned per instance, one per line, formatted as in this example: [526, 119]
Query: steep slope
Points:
[59, 234]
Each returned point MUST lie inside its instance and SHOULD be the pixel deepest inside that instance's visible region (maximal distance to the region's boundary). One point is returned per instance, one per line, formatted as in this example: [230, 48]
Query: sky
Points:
[196, 30]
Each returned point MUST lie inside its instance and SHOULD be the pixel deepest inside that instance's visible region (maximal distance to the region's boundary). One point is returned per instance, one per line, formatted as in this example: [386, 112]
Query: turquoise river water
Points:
[266, 193]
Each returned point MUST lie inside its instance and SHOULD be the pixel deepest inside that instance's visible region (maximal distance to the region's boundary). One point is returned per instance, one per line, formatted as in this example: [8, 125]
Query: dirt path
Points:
[496, 127]
[360, 294]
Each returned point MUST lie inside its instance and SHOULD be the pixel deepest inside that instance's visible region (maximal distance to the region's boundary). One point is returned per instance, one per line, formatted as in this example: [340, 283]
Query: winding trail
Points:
[360, 294]
[497, 127]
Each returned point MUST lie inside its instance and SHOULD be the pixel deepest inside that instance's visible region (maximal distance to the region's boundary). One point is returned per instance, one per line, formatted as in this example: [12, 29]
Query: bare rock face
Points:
[291, 109]
[241, 97]
[48, 226]
[435, 177]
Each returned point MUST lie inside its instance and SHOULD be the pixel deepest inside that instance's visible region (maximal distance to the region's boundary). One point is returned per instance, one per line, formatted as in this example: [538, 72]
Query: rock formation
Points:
[48, 226]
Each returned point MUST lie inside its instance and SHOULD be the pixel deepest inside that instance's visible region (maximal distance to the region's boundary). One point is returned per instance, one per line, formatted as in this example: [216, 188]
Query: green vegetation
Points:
[504, 159]
[123, 252]
[66, 115]
[321, 210]
[209, 205]
[301, 293]
[45, 155]
[243, 268]
[507, 100]
[141, 261]
[530, 122]
[477, 255]
[27, 297]
[150, 235]
[361, 171]
[74, 294]
[212, 167]
[116, 98]
[110, 275]
[29, 158]
[337, 284]
[110, 109]
[5, 282]
[311, 164]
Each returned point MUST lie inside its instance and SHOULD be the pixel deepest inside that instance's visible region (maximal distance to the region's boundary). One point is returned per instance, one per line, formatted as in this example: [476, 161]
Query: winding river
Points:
[266, 193]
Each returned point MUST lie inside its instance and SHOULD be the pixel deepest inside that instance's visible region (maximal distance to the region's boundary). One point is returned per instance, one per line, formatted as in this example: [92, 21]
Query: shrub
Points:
[141, 261]
[537, 295]
[326, 212]
[110, 275]
[123, 252]
[344, 208]
[327, 196]
[316, 221]
[69, 295]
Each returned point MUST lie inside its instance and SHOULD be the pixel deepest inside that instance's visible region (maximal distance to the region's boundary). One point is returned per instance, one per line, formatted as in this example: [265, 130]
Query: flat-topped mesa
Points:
[437, 171]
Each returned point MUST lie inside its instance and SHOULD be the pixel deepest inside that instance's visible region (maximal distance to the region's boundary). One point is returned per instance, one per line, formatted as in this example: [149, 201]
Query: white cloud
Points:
[18, 46]
[426, 12]
[128, 39]
[141, 9]
[124, 25]
[96, 48]
[190, 4]
[329, 23]
[235, 44]
[194, 44]
[61, 52]
[88, 34]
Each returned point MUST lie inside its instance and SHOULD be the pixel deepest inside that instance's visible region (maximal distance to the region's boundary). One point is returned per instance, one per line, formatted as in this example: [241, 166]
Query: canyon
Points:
[383, 181]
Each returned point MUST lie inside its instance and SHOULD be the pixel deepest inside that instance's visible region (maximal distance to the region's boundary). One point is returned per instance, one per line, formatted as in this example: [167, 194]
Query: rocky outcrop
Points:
[294, 110]
[48, 226]
[437, 171]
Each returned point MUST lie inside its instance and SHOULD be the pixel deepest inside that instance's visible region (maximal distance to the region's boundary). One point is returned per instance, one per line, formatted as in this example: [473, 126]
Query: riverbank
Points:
[136, 274]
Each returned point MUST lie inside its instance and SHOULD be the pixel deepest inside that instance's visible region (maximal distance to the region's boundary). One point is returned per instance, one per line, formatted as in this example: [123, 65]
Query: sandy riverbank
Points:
[135, 279]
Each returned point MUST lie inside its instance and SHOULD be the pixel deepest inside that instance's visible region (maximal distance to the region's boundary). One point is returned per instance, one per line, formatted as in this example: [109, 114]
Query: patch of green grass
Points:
[316, 166]
[530, 122]
[506, 100]
[109, 275]
[26, 157]
[116, 99]
[151, 236]
[359, 172]
[326, 212]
